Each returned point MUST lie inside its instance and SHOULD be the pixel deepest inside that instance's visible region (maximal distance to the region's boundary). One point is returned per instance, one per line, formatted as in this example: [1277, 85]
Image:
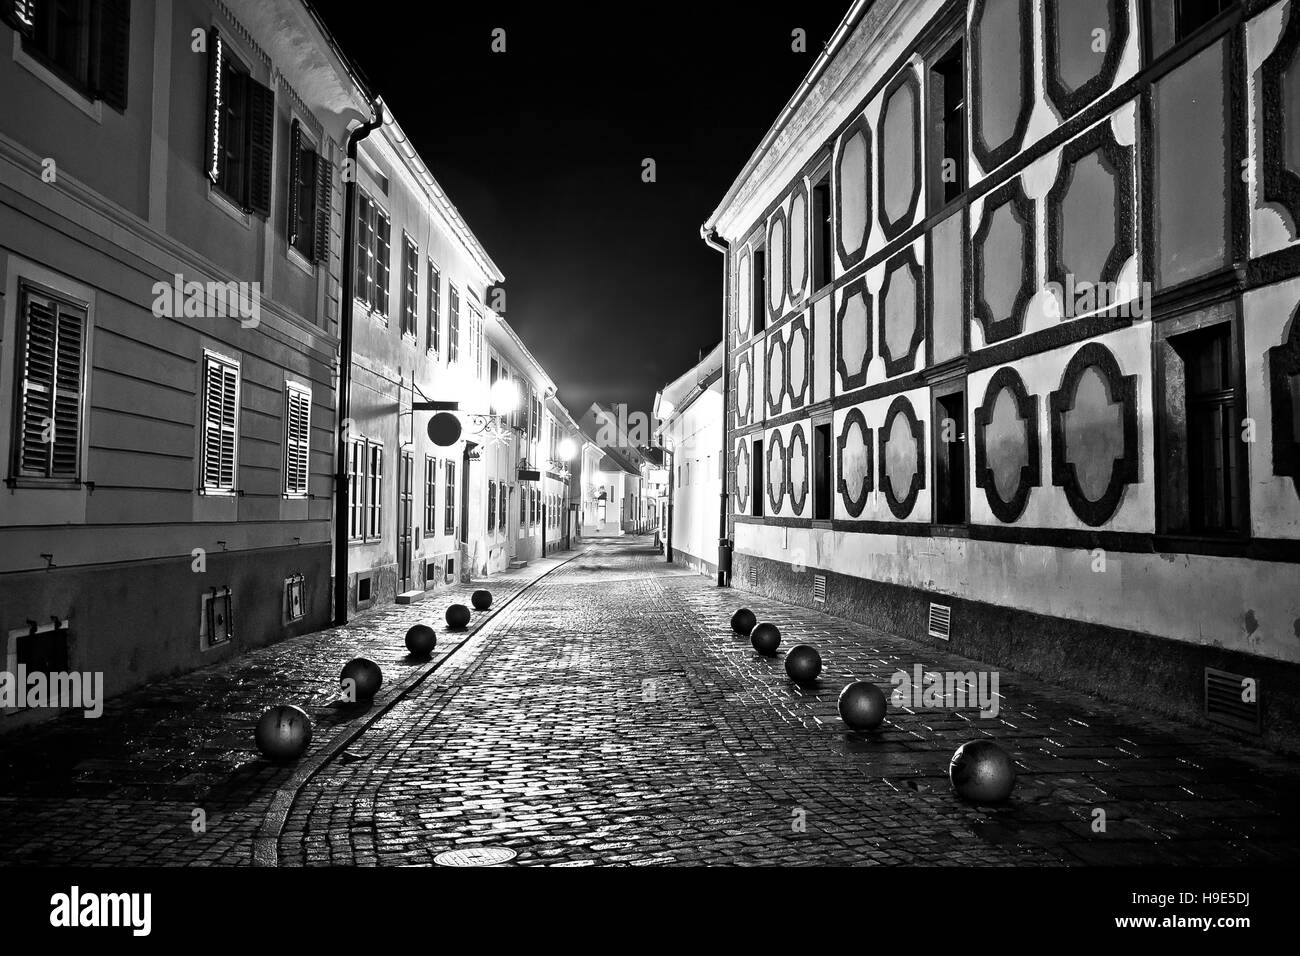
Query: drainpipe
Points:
[344, 399]
[710, 237]
[672, 490]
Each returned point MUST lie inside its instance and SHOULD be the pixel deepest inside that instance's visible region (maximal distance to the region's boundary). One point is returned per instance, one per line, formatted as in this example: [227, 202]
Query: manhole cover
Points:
[476, 856]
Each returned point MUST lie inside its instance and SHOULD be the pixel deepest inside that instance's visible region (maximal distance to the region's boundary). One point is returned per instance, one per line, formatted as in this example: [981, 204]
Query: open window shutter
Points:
[324, 185]
[296, 441]
[220, 404]
[295, 179]
[19, 14]
[261, 137]
[65, 453]
[229, 437]
[383, 250]
[114, 51]
[215, 144]
[39, 361]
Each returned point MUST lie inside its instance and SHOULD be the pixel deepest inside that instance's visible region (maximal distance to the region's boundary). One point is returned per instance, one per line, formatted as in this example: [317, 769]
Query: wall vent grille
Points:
[819, 588]
[1224, 704]
[940, 621]
[753, 576]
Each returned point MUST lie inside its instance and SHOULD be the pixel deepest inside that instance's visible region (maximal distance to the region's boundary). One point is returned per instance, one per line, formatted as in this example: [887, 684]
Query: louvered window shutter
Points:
[19, 14]
[114, 52]
[49, 431]
[215, 145]
[220, 423]
[261, 137]
[362, 252]
[324, 185]
[297, 441]
[383, 251]
[295, 181]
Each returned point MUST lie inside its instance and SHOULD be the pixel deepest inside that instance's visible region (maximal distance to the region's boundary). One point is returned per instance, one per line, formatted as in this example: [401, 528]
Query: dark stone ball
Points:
[482, 600]
[283, 732]
[365, 675]
[421, 639]
[766, 638]
[982, 772]
[743, 621]
[458, 617]
[803, 664]
[862, 705]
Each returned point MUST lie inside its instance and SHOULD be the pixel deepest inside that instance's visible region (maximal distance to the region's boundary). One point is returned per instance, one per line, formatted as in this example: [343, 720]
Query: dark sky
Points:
[540, 148]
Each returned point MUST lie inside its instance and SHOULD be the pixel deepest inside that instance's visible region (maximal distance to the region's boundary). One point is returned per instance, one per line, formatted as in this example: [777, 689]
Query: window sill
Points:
[48, 484]
[213, 493]
[227, 205]
[950, 530]
[301, 261]
[94, 109]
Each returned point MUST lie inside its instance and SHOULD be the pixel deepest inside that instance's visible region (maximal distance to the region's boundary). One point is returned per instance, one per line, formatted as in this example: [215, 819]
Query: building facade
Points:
[614, 499]
[1013, 318]
[169, 249]
[689, 412]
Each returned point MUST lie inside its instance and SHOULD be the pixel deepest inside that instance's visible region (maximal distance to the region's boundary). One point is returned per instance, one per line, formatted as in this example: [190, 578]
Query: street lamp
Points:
[504, 396]
[567, 449]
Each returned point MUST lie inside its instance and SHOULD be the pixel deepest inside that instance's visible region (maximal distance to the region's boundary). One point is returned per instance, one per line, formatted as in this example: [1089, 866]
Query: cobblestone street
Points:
[607, 715]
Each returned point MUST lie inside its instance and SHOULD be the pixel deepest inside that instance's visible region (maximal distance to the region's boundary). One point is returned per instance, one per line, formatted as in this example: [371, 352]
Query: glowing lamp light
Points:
[567, 449]
[504, 396]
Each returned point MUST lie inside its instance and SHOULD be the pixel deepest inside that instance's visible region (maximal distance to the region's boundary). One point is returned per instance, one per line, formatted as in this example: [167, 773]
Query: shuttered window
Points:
[373, 231]
[410, 284]
[492, 505]
[220, 424]
[356, 487]
[453, 324]
[310, 184]
[51, 347]
[449, 501]
[433, 333]
[240, 130]
[297, 440]
[86, 43]
[430, 494]
[375, 492]
[501, 492]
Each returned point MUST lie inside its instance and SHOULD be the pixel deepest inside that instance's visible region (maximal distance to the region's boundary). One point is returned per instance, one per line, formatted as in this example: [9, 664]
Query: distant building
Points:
[689, 412]
[615, 503]
[1013, 343]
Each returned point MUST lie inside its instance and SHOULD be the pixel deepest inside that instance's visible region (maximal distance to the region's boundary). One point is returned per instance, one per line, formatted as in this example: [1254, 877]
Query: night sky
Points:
[540, 148]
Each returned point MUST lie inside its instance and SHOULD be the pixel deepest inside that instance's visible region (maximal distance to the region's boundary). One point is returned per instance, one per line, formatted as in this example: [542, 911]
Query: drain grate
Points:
[476, 856]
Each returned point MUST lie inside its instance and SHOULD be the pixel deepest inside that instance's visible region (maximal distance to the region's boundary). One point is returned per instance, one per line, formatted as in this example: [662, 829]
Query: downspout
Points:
[344, 400]
[672, 490]
[710, 237]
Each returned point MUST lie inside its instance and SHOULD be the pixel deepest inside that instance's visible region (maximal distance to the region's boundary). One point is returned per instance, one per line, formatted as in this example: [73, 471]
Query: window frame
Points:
[409, 307]
[211, 359]
[296, 391]
[433, 317]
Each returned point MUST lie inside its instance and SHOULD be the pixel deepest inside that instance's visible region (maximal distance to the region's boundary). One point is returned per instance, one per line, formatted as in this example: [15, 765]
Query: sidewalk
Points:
[170, 774]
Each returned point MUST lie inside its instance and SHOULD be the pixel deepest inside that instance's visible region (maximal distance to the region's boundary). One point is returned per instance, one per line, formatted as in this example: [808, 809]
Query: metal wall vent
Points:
[753, 576]
[1224, 703]
[940, 621]
[819, 588]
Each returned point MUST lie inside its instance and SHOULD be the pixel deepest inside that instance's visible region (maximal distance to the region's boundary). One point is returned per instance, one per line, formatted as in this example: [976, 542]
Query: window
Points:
[821, 227]
[1173, 21]
[241, 130]
[297, 440]
[947, 106]
[758, 296]
[410, 284]
[535, 419]
[373, 230]
[1201, 426]
[430, 494]
[434, 332]
[822, 472]
[950, 457]
[310, 182]
[523, 506]
[492, 505]
[50, 376]
[476, 340]
[220, 424]
[756, 479]
[375, 492]
[357, 457]
[494, 373]
[501, 510]
[453, 324]
[449, 500]
[84, 42]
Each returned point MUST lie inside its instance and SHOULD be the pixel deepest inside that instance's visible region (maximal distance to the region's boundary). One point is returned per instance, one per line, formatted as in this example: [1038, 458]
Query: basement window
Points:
[822, 472]
[216, 624]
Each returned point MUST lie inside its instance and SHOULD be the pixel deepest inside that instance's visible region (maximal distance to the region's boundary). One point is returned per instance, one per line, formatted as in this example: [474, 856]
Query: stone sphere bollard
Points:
[481, 599]
[283, 732]
[982, 772]
[743, 621]
[803, 664]
[458, 617]
[366, 678]
[421, 640]
[766, 638]
[862, 705]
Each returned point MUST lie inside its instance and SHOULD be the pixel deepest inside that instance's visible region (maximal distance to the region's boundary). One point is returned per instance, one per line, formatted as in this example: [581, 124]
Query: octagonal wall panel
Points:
[1002, 87]
[796, 257]
[798, 359]
[858, 466]
[854, 333]
[853, 200]
[1006, 442]
[1085, 42]
[1004, 252]
[1279, 81]
[744, 283]
[776, 262]
[902, 325]
[774, 383]
[900, 153]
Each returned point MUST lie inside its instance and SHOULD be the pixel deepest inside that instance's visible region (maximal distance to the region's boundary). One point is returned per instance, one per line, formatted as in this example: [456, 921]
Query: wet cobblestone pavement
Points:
[608, 715]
